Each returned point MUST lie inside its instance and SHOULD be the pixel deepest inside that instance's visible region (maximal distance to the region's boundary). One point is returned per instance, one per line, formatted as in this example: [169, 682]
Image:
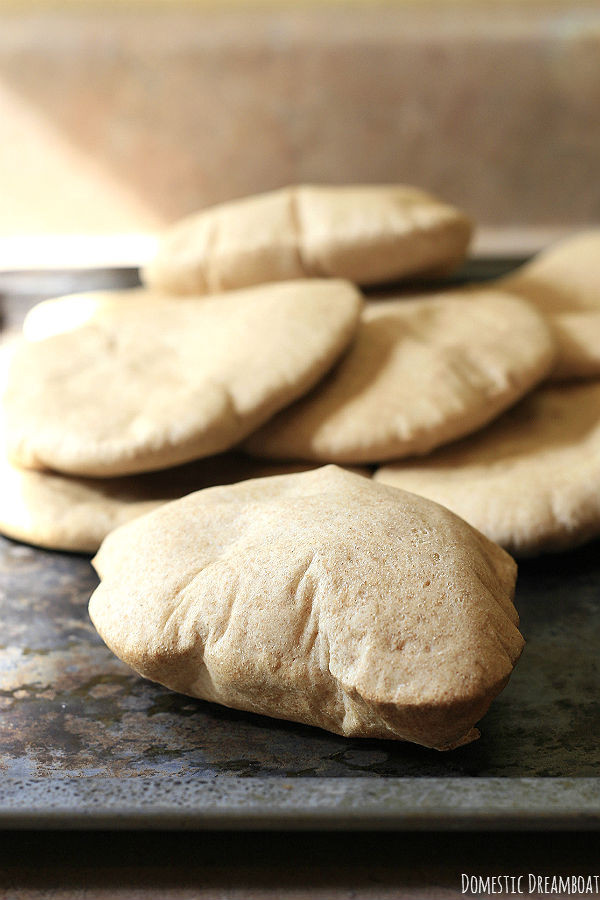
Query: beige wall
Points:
[120, 119]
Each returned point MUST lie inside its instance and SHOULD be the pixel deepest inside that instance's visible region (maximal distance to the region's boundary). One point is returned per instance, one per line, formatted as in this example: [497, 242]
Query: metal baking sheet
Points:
[85, 743]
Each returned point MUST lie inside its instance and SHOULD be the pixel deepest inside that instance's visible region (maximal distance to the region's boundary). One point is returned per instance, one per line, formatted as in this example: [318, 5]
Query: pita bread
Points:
[366, 233]
[62, 512]
[530, 481]
[146, 383]
[70, 312]
[563, 282]
[320, 597]
[420, 373]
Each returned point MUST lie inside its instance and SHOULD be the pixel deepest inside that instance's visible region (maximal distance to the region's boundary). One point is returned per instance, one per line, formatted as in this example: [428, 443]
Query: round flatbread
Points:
[146, 382]
[64, 512]
[420, 373]
[366, 233]
[321, 597]
[563, 282]
[62, 314]
[530, 481]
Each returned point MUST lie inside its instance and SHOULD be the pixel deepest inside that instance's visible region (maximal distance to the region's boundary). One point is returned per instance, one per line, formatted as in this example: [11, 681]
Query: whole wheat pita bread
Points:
[530, 481]
[146, 383]
[59, 315]
[366, 233]
[563, 282]
[63, 512]
[420, 373]
[321, 597]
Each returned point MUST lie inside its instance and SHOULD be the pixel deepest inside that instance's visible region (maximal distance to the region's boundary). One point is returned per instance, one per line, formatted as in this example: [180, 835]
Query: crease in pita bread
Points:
[366, 233]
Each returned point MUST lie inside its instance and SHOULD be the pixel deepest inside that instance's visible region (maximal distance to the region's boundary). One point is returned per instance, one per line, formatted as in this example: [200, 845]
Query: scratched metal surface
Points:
[69, 708]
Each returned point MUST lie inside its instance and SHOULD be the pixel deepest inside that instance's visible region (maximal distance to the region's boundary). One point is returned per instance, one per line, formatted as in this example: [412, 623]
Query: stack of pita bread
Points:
[246, 365]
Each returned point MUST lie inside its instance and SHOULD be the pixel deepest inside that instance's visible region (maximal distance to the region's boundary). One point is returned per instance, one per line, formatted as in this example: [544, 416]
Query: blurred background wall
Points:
[120, 117]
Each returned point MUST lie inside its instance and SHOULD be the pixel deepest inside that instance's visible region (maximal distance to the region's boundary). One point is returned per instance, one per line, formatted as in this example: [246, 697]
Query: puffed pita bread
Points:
[366, 233]
[321, 597]
[63, 512]
[146, 383]
[530, 481]
[563, 282]
[58, 315]
[420, 373]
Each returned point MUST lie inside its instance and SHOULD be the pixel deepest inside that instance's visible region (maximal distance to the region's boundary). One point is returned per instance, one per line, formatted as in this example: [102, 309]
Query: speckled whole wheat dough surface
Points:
[324, 598]
[366, 233]
[420, 373]
[63, 512]
[563, 282]
[146, 382]
[530, 481]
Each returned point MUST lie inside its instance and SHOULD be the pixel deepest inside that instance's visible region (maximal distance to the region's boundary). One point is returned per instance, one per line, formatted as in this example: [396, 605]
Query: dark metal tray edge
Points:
[226, 802]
